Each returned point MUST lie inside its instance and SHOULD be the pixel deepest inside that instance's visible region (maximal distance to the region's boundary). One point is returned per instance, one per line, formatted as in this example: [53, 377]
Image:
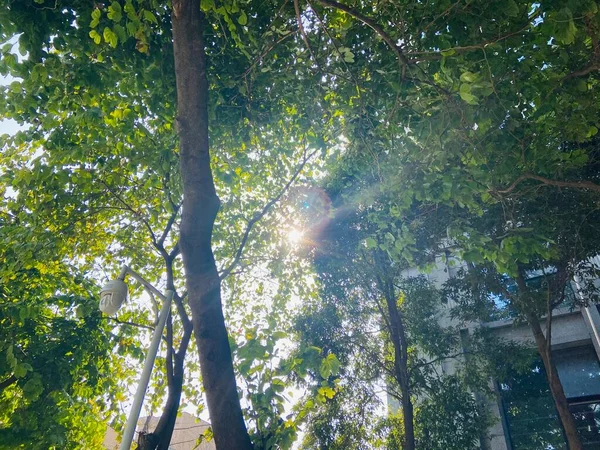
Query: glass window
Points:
[579, 371]
[530, 412]
[503, 309]
[529, 408]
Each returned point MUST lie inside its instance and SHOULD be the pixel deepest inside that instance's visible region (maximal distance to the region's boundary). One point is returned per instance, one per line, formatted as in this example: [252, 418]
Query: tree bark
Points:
[556, 388]
[160, 437]
[200, 207]
[400, 344]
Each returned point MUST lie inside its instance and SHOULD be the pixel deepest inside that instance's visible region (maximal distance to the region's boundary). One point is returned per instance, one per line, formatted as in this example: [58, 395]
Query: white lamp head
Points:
[112, 296]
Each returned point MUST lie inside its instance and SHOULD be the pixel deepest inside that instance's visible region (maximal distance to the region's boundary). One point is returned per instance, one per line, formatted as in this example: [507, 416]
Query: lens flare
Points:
[295, 236]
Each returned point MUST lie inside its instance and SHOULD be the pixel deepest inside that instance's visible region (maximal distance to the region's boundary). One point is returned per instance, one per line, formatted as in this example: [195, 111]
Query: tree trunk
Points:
[556, 388]
[160, 437]
[200, 207]
[400, 343]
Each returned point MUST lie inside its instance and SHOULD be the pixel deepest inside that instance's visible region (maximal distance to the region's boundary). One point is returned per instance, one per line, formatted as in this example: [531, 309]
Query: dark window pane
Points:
[579, 371]
[529, 408]
[587, 416]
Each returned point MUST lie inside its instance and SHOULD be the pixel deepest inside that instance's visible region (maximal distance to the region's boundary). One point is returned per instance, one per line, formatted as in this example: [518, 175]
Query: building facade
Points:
[525, 415]
[186, 434]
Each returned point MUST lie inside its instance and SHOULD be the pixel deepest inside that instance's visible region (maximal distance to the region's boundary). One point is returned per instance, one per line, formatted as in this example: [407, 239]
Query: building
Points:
[185, 436]
[524, 409]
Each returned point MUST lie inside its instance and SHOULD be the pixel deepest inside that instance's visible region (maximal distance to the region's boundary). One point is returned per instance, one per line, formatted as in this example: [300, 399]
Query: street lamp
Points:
[112, 297]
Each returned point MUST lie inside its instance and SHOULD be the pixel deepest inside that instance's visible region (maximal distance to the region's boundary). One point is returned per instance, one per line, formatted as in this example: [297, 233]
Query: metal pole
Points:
[138, 400]
[126, 270]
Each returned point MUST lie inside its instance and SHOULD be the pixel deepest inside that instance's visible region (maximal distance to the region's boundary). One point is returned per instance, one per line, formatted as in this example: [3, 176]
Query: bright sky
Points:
[8, 126]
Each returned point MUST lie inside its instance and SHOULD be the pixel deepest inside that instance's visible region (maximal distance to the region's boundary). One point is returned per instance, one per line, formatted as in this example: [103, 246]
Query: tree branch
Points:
[583, 72]
[6, 383]
[137, 214]
[370, 23]
[131, 324]
[480, 46]
[578, 184]
[267, 51]
[169, 225]
[259, 215]
[170, 351]
[436, 360]
[302, 32]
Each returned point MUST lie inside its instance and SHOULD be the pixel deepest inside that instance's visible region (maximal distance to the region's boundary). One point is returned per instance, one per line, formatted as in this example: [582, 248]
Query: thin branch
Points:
[442, 14]
[302, 32]
[580, 184]
[175, 251]
[187, 324]
[370, 23]
[259, 215]
[582, 73]
[170, 351]
[266, 52]
[155, 306]
[132, 324]
[482, 45]
[435, 360]
[352, 78]
[169, 225]
[133, 211]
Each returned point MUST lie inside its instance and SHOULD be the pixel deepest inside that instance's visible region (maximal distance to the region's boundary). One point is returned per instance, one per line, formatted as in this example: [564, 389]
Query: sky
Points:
[8, 126]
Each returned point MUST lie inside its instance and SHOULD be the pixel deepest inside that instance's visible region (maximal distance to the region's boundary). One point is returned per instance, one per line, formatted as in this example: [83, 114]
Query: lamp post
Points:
[112, 296]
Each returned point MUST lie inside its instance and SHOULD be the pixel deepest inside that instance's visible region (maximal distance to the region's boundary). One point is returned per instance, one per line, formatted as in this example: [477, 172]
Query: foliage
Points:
[56, 365]
[350, 318]
[465, 124]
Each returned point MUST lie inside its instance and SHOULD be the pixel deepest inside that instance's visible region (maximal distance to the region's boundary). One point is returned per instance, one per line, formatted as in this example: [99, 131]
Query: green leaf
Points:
[110, 37]
[96, 14]
[115, 12]
[243, 19]
[466, 95]
[33, 388]
[21, 370]
[469, 77]
[207, 5]
[149, 17]
[564, 26]
[96, 36]
[511, 9]
[371, 243]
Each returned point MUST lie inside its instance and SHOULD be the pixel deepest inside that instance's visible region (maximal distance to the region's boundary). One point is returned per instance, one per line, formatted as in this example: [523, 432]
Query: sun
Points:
[294, 236]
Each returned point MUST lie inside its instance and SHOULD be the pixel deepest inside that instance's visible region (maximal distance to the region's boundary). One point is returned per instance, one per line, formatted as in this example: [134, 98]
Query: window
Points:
[529, 408]
[502, 308]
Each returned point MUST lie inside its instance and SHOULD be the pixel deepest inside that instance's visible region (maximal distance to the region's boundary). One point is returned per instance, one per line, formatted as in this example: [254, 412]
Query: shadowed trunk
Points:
[400, 343]
[398, 335]
[200, 207]
[558, 394]
[160, 437]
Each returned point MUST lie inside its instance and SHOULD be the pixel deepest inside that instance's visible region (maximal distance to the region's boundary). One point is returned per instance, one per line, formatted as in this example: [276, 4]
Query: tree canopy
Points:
[280, 166]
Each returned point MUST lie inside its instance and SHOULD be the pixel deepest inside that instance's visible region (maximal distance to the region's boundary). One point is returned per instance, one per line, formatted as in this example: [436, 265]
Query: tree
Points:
[448, 101]
[535, 261]
[478, 120]
[366, 306]
[69, 129]
[56, 352]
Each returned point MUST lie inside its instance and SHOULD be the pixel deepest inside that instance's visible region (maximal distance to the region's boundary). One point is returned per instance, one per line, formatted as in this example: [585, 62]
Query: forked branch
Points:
[371, 24]
[260, 214]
